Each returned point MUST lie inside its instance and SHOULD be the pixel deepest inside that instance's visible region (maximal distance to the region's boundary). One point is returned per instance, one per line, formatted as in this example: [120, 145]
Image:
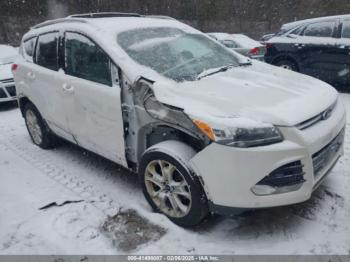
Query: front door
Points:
[94, 98]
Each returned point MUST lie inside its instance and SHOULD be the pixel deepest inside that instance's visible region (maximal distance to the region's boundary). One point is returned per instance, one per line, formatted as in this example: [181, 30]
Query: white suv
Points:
[206, 129]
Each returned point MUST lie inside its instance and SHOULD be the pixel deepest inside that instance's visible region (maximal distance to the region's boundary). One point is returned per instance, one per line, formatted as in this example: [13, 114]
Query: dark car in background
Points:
[317, 47]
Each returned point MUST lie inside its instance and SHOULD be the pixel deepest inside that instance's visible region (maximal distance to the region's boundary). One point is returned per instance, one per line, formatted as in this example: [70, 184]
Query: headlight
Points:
[241, 137]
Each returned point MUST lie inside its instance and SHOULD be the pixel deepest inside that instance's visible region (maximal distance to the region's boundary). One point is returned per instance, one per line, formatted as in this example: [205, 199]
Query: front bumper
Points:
[7, 90]
[228, 174]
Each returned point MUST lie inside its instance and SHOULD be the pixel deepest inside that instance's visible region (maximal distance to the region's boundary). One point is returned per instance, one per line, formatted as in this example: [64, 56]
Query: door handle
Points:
[299, 45]
[31, 75]
[68, 88]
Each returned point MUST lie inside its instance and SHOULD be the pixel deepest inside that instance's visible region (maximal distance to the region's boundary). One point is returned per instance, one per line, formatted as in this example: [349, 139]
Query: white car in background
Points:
[241, 44]
[206, 129]
[8, 55]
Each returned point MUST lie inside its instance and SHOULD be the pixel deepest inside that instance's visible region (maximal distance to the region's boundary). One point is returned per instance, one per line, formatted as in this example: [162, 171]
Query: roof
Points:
[103, 19]
[292, 25]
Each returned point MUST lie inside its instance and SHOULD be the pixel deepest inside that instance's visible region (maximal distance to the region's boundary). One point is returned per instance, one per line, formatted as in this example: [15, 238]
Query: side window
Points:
[29, 47]
[84, 59]
[322, 29]
[47, 51]
[346, 30]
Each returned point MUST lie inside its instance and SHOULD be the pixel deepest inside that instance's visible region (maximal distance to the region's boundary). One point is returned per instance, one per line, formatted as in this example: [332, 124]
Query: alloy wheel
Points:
[168, 188]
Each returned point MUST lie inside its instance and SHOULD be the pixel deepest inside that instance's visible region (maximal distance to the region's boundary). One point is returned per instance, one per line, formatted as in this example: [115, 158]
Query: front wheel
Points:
[170, 187]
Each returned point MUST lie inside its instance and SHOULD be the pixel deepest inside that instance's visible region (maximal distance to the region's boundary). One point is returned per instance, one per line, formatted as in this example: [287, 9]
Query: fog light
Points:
[261, 190]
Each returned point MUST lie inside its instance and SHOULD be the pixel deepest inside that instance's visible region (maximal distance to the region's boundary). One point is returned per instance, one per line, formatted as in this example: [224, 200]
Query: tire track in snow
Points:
[81, 188]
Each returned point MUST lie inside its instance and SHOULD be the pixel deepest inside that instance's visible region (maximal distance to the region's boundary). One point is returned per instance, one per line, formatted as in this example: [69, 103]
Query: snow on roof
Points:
[242, 40]
[292, 25]
[245, 41]
[117, 25]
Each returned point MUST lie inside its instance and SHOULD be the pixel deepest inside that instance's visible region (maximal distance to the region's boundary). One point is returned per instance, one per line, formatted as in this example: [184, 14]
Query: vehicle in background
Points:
[166, 101]
[265, 38]
[241, 44]
[8, 55]
[317, 47]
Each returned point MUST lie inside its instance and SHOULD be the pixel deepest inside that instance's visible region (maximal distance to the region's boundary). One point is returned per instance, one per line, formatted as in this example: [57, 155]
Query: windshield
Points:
[174, 53]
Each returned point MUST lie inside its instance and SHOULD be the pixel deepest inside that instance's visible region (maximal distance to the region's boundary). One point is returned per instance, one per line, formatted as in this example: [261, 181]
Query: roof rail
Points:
[57, 21]
[160, 17]
[105, 15]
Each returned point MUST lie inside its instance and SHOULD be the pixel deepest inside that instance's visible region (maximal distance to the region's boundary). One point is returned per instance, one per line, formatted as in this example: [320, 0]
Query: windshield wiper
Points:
[213, 71]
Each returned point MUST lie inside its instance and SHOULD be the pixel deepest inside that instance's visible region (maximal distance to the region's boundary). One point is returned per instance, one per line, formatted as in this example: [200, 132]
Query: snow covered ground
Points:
[32, 178]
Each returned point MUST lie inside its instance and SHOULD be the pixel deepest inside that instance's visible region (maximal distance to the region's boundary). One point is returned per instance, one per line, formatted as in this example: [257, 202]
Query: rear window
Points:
[29, 47]
[229, 43]
[346, 29]
[47, 51]
[322, 29]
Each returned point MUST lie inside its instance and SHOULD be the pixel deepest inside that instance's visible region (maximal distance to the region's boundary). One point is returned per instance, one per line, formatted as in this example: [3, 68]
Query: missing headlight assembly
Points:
[148, 121]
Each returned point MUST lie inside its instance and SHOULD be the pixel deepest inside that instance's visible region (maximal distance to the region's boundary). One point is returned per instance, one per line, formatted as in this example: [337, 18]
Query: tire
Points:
[183, 189]
[287, 64]
[38, 130]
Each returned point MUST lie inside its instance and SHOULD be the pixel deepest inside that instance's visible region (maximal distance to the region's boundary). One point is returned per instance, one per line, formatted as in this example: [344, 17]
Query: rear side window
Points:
[322, 29]
[85, 59]
[346, 29]
[47, 51]
[29, 47]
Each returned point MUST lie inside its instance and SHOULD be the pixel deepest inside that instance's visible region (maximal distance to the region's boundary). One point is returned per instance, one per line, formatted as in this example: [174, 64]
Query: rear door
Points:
[317, 50]
[93, 96]
[46, 83]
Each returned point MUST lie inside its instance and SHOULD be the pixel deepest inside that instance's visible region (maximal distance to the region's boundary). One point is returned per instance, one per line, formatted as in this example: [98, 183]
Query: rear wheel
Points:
[171, 188]
[37, 128]
[287, 64]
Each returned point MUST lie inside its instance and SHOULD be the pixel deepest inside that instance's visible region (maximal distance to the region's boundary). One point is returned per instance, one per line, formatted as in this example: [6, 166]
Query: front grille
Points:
[287, 175]
[314, 120]
[323, 158]
[11, 90]
[2, 93]
[6, 81]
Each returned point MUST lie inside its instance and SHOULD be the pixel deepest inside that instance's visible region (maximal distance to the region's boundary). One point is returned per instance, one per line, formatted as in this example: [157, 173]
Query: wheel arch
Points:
[22, 102]
[286, 56]
[157, 133]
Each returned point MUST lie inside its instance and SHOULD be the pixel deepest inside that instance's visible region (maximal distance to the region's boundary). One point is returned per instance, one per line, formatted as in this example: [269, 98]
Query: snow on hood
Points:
[259, 93]
[5, 72]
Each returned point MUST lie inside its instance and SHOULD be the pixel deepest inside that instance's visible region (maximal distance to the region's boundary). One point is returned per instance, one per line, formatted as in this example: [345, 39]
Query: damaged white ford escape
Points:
[206, 129]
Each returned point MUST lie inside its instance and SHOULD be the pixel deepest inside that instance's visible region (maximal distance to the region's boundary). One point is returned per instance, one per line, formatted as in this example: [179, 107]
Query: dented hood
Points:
[259, 92]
